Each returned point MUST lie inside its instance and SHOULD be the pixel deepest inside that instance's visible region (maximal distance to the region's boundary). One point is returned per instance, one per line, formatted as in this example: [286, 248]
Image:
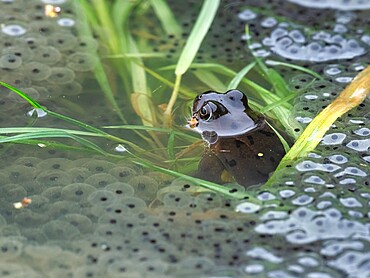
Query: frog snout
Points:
[193, 122]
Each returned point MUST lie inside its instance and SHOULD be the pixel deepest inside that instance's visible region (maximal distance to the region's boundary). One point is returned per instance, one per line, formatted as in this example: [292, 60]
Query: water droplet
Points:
[351, 171]
[66, 22]
[287, 193]
[120, 148]
[269, 22]
[308, 262]
[362, 131]
[247, 15]
[333, 139]
[302, 200]
[13, 30]
[340, 28]
[338, 158]
[335, 248]
[359, 145]
[310, 97]
[304, 120]
[261, 253]
[309, 165]
[324, 205]
[39, 113]
[347, 181]
[297, 36]
[355, 214]
[254, 268]
[53, 2]
[344, 79]
[266, 196]
[350, 202]
[315, 180]
[274, 215]
[247, 207]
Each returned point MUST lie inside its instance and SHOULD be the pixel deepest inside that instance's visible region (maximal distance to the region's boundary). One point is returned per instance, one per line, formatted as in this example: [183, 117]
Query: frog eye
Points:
[206, 112]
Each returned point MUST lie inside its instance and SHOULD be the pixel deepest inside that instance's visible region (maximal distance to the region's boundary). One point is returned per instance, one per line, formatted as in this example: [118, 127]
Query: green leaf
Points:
[34, 103]
[166, 17]
[210, 79]
[234, 83]
[53, 134]
[197, 35]
[292, 66]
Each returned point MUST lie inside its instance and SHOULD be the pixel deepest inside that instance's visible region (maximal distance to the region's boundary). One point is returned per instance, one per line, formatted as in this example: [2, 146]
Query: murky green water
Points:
[95, 216]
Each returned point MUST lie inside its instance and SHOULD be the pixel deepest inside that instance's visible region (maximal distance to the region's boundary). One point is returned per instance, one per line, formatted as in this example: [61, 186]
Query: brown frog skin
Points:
[237, 139]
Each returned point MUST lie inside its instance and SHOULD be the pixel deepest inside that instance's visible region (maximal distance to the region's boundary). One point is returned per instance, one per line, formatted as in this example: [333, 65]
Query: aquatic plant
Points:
[127, 55]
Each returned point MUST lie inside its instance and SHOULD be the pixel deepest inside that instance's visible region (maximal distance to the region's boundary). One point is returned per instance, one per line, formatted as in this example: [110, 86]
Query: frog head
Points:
[216, 115]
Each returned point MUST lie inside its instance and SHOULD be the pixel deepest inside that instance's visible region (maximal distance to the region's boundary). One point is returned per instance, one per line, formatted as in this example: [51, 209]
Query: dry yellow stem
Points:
[353, 95]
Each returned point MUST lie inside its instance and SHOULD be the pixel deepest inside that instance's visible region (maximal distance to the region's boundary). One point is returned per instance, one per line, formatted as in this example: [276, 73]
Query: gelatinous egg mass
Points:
[96, 216]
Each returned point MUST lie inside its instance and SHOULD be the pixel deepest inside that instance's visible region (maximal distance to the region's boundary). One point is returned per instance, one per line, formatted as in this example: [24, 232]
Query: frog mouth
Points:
[193, 122]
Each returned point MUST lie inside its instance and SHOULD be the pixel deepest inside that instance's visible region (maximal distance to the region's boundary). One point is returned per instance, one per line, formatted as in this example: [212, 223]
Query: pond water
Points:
[101, 216]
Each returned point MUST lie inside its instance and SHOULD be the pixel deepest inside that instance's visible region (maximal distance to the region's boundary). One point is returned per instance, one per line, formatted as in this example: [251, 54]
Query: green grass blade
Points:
[47, 130]
[191, 48]
[171, 146]
[184, 91]
[278, 83]
[190, 135]
[234, 83]
[206, 184]
[135, 55]
[34, 103]
[281, 138]
[142, 103]
[87, 14]
[102, 8]
[210, 79]
[73, 121]
[275, 104]
[292, 66]
[197, 35]
[166, 17]
[53, 134]
[53, 144]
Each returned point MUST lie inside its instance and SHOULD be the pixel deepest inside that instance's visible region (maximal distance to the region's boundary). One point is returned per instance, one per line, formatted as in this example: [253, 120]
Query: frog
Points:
[238, 141]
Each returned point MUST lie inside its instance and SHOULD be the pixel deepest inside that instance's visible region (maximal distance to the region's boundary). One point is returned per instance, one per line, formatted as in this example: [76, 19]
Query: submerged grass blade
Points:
[278, 83]
[184, 91]
[55, 145]
[206, 184]
[281, 138]
[53, 134]
[34, 103]
[102, 8]
[135, 55]
[141, 97]
[199, 31]
[166, 17]
[157, 129]
[87, 14]
[197, 35]
[292, 66]
[171, 146]
[234, 83]
[210, 79]
[75, 122]
[14, 130]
